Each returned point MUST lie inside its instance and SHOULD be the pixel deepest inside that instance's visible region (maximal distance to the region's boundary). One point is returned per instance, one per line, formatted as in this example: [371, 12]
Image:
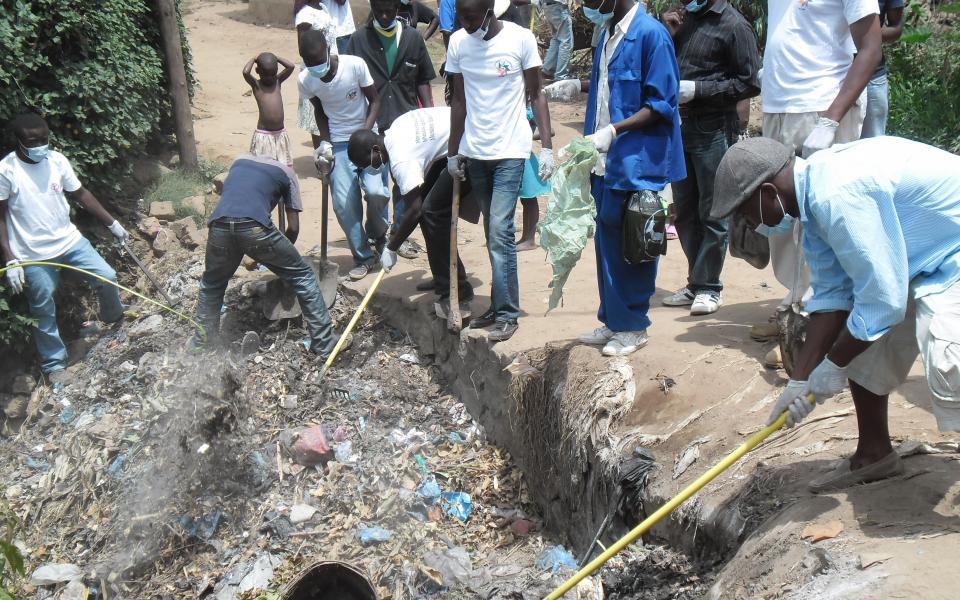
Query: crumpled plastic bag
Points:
[571, 214]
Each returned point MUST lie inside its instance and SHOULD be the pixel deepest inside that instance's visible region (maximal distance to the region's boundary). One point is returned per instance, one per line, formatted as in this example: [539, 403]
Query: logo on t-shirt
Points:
[352, 94]
[502, 67]
[56, 187]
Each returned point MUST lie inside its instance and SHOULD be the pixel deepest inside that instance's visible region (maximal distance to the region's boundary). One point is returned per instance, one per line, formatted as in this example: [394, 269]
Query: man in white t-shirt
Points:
[343, 25]
[495, 70]
[35, 226]
[344, 98]
[415, 148]
[819, 57]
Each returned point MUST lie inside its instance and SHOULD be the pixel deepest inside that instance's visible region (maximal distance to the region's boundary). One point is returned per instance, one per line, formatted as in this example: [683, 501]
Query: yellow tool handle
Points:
[676, 501]
[350, 325]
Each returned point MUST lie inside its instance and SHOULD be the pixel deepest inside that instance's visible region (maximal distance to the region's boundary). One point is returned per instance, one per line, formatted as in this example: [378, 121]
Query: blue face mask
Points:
[694, 6]
[785, 224]
[388, 29]
[597, 17]
[372, 170]
[37, 153]
[320, 71]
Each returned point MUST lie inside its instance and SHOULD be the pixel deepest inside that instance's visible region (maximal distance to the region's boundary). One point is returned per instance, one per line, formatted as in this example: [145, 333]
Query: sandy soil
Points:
[913, 521]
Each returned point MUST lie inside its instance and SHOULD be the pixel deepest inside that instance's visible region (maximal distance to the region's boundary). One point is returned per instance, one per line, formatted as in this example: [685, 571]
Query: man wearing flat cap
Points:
[881, 233]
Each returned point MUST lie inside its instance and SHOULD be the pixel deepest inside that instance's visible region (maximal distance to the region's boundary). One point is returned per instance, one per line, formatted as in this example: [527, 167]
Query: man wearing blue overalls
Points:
[632, 119]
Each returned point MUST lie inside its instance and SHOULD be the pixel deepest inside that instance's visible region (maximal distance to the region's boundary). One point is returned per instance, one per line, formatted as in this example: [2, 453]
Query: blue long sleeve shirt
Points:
[881, 220]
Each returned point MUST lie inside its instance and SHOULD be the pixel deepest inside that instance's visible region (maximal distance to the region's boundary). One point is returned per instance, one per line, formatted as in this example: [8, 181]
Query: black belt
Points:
[235, 224]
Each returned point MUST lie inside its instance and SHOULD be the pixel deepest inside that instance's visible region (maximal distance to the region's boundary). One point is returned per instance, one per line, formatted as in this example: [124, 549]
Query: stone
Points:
[146, 171]
[248, 263]
[23, 384]
[197, 204]
[181, 226]
[162, 242]
[307, 446]
[218, 182]
[162, 209]
[301, 512]
[151, 324]
[289, 401]
[149, 226]
[193, 238]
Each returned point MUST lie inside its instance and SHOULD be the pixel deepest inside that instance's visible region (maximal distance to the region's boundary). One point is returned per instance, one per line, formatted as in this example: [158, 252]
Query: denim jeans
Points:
[878, 106]
[225, 249]
[704, 239]
[557, 60]
[42, 282]
[346, 182]
[495, 185]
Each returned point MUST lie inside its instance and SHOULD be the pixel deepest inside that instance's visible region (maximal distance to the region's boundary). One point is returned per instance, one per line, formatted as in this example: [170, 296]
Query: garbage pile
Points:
[162, 473]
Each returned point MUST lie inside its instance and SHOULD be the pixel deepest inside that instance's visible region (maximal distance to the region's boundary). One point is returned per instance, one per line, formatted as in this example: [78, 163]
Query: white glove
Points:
[547, 166]
[603, 138]
[119, 232]
[792, 399]
[827, 380]
[821, 137]
[15, 276]
[388, 258]
[456, 165]
[565, 90]
[323, 159]
[687, 91]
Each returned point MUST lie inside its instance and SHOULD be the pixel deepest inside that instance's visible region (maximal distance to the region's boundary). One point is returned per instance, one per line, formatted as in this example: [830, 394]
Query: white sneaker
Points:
[706, 303]
[600, 335]
[682, 297]
[625, 342]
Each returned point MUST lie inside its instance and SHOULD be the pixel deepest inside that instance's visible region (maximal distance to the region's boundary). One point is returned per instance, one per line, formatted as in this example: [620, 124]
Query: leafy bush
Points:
[11, 561]
[15, 320]
[95, 70]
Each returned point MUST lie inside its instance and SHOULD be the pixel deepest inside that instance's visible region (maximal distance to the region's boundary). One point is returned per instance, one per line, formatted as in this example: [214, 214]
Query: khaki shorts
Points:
[930, 329]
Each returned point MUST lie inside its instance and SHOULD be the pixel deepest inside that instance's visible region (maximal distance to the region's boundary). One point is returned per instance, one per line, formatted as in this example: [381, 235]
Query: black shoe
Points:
[426, 286]
[485, 320]
[502, 331]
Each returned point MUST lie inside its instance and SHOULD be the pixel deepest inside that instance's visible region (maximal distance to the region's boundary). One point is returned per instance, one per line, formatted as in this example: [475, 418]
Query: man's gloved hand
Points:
[687, 91]
[565, 90]
[388, 258]
[603, 138]
[821, 137]
[793, 399]
[827, 380]
[456, 165]
[547, 166]
[15, 276]
[119, 232]
[323, 159]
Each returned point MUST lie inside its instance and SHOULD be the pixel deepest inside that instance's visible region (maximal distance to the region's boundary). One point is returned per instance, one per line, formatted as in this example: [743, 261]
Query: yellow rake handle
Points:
[350, 325]
[751, 443]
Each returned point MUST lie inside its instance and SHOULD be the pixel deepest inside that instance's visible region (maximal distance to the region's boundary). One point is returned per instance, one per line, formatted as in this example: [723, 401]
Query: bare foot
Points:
[524, 245]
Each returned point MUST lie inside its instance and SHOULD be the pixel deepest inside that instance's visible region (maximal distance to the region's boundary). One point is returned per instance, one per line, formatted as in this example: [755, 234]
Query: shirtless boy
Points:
[270, 139]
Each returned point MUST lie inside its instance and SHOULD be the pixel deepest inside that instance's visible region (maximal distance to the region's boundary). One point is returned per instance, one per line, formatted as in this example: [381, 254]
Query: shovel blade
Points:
[793, 333]
[328, 274]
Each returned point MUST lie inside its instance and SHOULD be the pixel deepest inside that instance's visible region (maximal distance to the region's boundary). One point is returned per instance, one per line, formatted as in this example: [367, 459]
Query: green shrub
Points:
[15, 320]
[95, 70]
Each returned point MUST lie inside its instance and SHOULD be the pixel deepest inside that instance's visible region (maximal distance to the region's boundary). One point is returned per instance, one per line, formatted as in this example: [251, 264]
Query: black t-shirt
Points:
[416, 13]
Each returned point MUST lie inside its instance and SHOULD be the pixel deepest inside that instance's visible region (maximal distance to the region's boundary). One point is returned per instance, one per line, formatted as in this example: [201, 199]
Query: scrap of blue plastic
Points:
[429, 490]
[373, 535]
[554, 558]
[458, 504]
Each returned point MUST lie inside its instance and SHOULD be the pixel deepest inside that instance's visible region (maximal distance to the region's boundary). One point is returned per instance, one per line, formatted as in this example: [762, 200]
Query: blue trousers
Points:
[625, 289]
[878, 106]
[42, 282]
[346, 184]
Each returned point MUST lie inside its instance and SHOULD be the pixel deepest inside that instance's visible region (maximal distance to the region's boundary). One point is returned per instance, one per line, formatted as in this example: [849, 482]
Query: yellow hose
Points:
[353, 321]
[676, 501]
[170, 309]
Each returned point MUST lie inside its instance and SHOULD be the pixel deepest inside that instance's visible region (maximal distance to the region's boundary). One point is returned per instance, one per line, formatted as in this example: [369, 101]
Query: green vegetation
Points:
[11, 564]
[179, 184]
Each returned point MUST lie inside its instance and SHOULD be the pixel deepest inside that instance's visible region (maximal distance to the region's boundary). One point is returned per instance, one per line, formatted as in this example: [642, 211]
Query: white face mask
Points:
[481, 32]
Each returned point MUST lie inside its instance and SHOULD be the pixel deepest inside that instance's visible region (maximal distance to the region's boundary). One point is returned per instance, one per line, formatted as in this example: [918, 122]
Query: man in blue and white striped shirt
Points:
[881, 222]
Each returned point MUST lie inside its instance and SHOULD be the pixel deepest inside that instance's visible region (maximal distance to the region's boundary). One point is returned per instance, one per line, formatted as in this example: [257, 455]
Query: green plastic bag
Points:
[571, 214]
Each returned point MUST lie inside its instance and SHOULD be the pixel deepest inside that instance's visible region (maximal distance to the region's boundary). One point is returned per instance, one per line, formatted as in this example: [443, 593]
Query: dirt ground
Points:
[722, 391]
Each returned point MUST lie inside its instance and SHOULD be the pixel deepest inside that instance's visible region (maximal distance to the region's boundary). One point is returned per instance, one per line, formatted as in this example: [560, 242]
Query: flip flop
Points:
[843, 477]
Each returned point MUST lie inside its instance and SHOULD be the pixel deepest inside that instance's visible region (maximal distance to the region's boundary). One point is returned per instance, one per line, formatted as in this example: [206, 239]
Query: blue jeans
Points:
[346, 184]
[703, 239]
[878, 106]
[42, 282]
[495, 184]
[226, 245]
[557, 60]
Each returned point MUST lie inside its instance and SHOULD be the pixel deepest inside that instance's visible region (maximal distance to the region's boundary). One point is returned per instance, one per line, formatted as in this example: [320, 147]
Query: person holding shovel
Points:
[35, 225]
[881, 221]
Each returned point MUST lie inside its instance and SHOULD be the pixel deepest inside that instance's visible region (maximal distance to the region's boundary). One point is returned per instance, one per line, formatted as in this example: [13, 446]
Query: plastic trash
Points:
[410, 357]
[571, 214]
[344, 453]
[67, 414]
[555, 558]
[36, 465]
[117, 466]
[453, 564]
[373, 535]
[454, 437]
[246, 576]
[203, 527]
[429, 490]
[51, 574]
[457, 504]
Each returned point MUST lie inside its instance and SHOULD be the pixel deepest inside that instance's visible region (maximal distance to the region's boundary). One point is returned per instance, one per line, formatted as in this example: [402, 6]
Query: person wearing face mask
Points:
[718, 57]
[35, 182]
[495, 70]
[633, 120]
[402, 71]
[345, 99]
[881, 221]
[415, 149]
